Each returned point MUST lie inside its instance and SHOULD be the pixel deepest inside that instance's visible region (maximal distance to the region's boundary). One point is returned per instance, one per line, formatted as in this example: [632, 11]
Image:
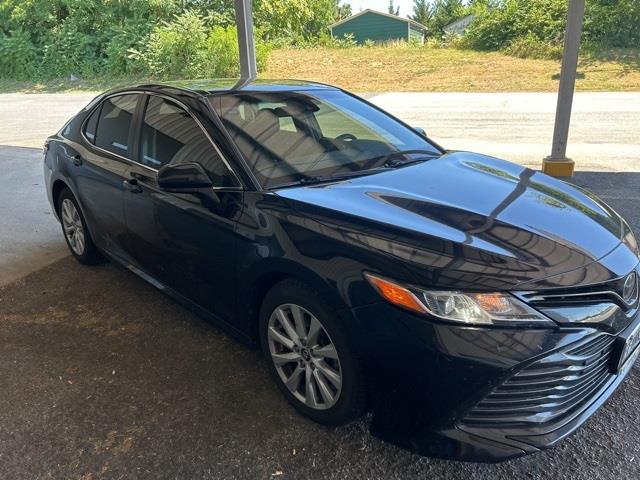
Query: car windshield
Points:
[315, 135]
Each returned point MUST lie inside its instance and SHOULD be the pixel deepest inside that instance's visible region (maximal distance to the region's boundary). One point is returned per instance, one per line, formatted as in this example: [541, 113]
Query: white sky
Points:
[406, 6]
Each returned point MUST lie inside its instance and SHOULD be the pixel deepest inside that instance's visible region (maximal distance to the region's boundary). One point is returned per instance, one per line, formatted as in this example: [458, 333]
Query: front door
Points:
[184, 240]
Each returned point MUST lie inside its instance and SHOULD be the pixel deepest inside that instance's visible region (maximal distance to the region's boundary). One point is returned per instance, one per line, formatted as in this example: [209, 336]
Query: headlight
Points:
[462, 307]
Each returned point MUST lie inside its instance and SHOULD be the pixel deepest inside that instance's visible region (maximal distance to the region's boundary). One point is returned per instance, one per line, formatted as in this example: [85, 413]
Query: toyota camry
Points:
[478, 309]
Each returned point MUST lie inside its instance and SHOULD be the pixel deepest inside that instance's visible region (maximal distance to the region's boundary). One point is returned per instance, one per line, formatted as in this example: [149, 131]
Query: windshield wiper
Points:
[390, 160]
[388, 163]
[315, 179]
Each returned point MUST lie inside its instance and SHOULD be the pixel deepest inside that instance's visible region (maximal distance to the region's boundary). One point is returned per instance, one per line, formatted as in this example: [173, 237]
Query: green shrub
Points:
[183, 48]
[175, 48]
[222, 58]
[612, 24]
[493, 26]
[500, 23]
[17, 55]
[452, 40]
[123, 39]
[415, 42]
[67, 50]
[346, 41]
[530, 46]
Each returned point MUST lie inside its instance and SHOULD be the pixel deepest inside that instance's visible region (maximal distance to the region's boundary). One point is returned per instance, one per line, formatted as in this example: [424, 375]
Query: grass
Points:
[402, 68]
[405, 68]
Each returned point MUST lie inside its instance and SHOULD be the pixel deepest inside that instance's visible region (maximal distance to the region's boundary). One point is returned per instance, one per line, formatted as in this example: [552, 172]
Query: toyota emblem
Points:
[630, 289]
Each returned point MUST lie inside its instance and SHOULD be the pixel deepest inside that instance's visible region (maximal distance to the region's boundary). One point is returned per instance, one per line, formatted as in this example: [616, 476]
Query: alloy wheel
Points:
[73, 228]
[304, 356]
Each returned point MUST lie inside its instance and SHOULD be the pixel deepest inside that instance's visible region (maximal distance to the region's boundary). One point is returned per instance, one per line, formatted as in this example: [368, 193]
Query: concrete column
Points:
[557, 163]
[244, 23]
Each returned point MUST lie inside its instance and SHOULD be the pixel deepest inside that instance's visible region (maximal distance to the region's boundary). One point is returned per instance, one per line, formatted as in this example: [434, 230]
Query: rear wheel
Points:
[309, 355]
[74, 228]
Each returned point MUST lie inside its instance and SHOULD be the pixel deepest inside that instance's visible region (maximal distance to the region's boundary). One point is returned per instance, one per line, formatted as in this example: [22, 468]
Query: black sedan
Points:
[479, 309]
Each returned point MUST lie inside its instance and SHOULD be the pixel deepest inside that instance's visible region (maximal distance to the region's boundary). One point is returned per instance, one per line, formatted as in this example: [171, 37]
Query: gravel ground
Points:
[103, 377]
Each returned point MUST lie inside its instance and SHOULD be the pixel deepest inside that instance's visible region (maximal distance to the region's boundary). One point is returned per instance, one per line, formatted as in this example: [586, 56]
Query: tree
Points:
[342, 11]
[293, 20]
[392, 9]
[444, 12]
[421, 12]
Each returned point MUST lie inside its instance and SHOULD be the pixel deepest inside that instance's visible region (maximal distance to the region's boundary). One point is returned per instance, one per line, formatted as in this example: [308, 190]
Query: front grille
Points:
[550, 389]
[604, 292]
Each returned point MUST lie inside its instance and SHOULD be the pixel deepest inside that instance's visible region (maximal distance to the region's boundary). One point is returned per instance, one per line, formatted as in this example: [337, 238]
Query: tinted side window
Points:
[171, 135]
[92, 123]
[114, 124]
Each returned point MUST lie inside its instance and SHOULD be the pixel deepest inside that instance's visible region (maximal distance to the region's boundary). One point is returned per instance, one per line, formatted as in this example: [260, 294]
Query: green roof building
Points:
[378, 27]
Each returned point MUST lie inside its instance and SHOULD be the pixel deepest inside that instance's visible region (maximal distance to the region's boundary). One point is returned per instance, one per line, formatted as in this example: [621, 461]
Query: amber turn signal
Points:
[396, 294]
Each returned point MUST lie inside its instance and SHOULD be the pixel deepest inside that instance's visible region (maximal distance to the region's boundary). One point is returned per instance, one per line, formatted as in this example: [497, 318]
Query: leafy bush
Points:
[530, 46]
[497, 24]
[612, 24]
[124, 39]
[184, 48]
[500, 23]
[175, 48]
[346, 41]
[68, 50]
[222, 58]
[17, 54]
[44, 39]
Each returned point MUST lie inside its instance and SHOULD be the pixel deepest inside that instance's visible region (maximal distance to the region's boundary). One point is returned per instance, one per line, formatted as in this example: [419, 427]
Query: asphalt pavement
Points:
[29, 233]
[104, 377]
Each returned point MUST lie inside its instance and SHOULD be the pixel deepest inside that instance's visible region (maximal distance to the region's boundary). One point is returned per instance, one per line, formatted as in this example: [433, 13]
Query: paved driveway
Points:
[30, 237]
[604, 135]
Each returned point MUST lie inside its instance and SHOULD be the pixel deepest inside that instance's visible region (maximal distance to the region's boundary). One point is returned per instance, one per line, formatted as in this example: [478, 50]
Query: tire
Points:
[75, 231]
[328, 401]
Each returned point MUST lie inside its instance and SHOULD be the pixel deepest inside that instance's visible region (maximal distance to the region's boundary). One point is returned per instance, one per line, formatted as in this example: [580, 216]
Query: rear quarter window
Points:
[92, 123]
[114, 122]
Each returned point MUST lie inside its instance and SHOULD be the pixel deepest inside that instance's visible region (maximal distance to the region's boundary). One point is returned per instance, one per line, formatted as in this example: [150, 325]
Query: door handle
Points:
[77, 160]
[132, 185]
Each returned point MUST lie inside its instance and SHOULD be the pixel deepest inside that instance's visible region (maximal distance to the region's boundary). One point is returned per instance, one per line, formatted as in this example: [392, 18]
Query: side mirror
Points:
[183, 177]
[420, 131]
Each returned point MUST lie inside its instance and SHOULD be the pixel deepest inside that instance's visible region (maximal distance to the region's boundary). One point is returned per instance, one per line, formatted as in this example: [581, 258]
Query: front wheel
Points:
[309, 355]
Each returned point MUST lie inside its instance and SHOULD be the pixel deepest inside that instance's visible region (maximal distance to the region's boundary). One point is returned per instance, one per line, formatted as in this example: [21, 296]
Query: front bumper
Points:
[482, 394]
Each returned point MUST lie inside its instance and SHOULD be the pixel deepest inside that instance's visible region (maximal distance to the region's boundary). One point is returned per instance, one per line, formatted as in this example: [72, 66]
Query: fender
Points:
[56, 170]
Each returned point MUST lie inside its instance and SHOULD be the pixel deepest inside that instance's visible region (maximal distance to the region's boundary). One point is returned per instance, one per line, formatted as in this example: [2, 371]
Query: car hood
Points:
[469, 220]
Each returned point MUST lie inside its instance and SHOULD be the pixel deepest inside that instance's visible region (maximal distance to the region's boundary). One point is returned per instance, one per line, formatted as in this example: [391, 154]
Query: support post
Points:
[557, 164]
[244, 23]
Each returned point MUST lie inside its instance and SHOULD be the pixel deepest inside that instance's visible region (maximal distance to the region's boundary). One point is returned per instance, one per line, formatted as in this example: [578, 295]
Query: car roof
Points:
[227, 85]
[209, 87]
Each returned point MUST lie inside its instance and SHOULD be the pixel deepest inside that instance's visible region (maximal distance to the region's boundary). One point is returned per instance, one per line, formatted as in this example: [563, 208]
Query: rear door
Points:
[186, 241]
[99, 170]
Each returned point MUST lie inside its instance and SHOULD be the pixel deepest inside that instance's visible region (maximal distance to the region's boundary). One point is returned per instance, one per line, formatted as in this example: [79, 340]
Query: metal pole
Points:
[244, 23]
[557, 163]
